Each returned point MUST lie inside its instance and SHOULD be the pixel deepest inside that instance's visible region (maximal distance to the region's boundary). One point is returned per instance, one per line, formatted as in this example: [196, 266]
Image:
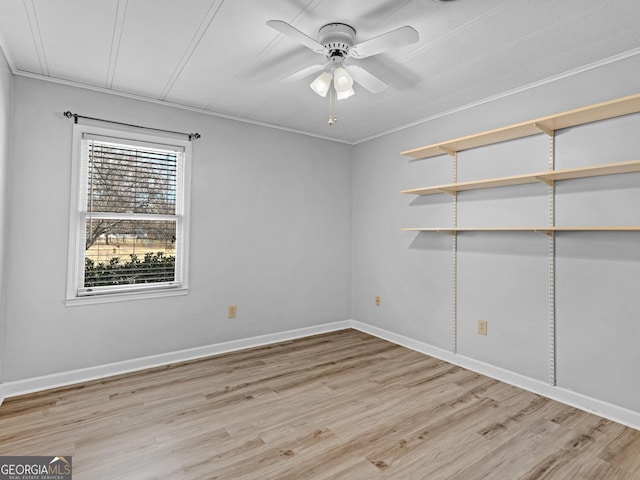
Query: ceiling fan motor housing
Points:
[337, 39]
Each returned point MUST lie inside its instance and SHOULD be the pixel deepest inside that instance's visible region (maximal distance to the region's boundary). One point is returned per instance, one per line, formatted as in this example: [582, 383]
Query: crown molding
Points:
[508, 93]
[493, 98]
[133, 96]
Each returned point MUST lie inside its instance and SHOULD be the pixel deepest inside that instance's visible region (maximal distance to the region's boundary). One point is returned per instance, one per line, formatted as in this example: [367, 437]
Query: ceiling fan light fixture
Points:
[337, 42]
[321, 84]
[343, 83]
[345, 94]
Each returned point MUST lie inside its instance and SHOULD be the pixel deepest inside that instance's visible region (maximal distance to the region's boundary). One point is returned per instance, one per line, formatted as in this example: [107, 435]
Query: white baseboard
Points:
[46, 382]
[583, 402]
[607, 410]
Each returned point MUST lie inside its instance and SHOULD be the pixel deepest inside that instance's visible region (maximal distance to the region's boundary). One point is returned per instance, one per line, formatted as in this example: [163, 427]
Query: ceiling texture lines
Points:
[542, 31]
[211, 103]
[30, 10]
[522, 88]
[221, 58]
[118, 26]
[459, 29]
[381, 22]
[277, 38]
[197, 37]
[304, 12]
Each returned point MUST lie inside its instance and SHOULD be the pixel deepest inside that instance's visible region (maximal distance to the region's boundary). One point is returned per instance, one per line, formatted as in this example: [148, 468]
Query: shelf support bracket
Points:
[543, 129]
[548, 181]
[448, 151]
[450, 191]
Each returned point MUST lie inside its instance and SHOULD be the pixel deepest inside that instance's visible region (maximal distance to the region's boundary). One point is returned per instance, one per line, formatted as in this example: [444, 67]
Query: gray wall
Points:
[503, 278]
[5, 117]
[270, 232]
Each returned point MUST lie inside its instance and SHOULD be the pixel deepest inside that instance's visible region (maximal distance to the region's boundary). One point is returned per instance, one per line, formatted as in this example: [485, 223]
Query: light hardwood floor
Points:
[342, 405]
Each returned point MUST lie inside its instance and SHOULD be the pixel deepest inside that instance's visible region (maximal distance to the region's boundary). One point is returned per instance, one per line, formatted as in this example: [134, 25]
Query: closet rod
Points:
[75, 116]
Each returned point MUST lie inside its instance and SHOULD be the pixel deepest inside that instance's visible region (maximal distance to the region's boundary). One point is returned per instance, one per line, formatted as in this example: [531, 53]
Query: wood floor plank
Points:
[342, 405]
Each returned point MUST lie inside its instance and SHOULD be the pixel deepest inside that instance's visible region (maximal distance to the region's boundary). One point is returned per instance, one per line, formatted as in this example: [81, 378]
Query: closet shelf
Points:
[547, 177]
[548, 230]
[571, 118]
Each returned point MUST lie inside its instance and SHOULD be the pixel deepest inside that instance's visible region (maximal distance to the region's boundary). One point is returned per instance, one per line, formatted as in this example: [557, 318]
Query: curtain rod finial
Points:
[68, 114]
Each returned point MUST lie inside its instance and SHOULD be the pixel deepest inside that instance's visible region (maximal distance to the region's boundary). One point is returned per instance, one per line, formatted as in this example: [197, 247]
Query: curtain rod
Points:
[75, 116]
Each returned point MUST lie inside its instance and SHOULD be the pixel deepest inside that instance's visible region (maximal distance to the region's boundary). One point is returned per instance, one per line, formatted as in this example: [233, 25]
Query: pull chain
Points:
[332, 107]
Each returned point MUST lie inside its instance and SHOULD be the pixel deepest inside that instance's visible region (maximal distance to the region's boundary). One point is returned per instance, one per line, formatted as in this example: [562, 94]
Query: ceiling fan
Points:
[336, 41]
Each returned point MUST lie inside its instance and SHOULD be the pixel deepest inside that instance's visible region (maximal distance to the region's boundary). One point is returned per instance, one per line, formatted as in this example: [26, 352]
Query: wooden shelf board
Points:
[540, 229]
[595, 170]
[545, 177]
[571, 118]
[619, 228]
[593, 113]
[473, 185]
[452, 230]
[472, 141]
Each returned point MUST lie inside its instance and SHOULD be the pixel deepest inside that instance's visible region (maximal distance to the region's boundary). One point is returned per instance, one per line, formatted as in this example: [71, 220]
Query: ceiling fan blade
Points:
[295, 34]
[366, 79]
[387, 41]
[305, 72]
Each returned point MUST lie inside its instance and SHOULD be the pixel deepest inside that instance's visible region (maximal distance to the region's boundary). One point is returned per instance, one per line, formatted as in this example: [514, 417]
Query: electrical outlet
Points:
[377, 300]
[482, 327]
[232, 311]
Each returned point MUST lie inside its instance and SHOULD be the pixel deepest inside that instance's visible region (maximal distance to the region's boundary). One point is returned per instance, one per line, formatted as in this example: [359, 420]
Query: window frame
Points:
[78, 215]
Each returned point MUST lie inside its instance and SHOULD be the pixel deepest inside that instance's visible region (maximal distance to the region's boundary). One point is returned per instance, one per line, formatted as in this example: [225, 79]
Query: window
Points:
[129, 216]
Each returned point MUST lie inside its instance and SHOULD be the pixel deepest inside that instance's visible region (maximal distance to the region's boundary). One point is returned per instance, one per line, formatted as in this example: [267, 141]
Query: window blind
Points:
[132, 213]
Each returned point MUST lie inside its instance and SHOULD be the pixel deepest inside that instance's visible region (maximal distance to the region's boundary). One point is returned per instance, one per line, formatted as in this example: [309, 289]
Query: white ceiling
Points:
[220, 56]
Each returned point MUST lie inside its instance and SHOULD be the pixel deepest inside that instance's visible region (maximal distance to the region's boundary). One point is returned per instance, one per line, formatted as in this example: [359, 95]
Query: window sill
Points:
[123, 297]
